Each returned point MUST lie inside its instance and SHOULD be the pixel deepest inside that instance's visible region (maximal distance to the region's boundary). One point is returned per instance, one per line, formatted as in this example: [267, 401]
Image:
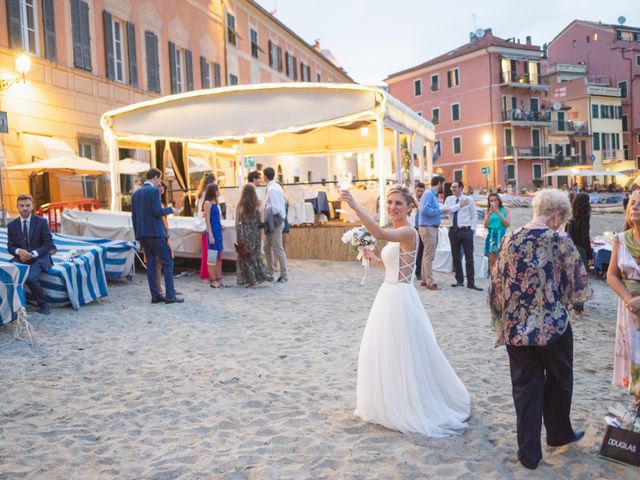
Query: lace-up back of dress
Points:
[399, 264]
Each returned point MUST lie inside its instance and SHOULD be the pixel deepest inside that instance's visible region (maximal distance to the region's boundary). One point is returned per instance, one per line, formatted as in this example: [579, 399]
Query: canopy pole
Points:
[112, 147]
[515, 159]
[241, 164]
[398, 153]
[429, 154]
[381, 169]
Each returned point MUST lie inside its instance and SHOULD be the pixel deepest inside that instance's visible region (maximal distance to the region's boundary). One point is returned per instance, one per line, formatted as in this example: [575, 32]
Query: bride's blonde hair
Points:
[405, 192]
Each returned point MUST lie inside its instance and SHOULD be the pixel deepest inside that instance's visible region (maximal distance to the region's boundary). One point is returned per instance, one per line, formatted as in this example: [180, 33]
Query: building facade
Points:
[489, 104]
[587, 129]
[90, 56]
[609, 57]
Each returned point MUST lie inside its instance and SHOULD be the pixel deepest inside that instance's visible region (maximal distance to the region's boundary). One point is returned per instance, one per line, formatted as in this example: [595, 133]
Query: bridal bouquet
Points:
[360, 240]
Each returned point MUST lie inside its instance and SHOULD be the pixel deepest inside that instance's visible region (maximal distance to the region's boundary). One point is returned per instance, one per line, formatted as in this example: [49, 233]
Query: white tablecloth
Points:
[300, 212]
[443, 261]
[185, 240]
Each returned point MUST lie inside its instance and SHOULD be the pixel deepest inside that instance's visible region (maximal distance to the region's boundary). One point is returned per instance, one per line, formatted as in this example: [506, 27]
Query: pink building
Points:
[610, 55]
[490, 107]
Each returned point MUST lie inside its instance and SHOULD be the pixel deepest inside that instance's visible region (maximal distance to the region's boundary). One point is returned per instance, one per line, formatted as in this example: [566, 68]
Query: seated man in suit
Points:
[150, 231]
[30, 242]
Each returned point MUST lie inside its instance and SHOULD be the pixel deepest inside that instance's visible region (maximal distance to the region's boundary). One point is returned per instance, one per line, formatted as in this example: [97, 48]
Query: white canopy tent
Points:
[274, 119]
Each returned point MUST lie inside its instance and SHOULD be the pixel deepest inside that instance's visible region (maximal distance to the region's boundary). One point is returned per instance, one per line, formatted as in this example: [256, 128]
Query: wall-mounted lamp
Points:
[23, 65]
[364, 131]
[486, 139]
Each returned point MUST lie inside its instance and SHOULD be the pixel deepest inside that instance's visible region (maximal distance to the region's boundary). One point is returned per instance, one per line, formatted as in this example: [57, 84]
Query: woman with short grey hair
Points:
[539, 273]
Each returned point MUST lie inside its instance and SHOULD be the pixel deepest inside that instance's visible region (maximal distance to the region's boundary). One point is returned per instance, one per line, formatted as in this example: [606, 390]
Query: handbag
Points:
[199, 223]
[242, 247]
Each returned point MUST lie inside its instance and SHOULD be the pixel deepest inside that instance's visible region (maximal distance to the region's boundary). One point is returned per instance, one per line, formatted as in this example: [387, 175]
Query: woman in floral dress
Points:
[251, 269]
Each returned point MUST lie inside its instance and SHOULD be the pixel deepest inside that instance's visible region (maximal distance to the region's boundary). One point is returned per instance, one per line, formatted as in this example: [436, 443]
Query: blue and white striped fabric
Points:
[12, 277]
[120, 255]
[76, 281]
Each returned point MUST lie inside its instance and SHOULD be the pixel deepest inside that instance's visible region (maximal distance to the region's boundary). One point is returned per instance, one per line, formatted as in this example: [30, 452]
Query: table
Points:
[443, 261]
[12, 297]
[186, 240]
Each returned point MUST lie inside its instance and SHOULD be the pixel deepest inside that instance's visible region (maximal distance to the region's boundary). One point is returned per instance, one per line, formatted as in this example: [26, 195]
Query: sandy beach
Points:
[260, 384]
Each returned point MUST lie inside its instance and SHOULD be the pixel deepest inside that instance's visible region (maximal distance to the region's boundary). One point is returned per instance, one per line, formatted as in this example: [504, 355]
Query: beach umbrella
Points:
[70, 165]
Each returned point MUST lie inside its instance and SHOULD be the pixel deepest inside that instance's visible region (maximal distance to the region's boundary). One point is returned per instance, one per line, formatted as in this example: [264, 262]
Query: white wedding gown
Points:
[405, 383]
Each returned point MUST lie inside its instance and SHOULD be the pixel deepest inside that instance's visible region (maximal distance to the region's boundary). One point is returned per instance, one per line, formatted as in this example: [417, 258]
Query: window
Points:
[233, 79]
[595, 37]
[453, 77]
[25, 30]
[625, 148]
[457, 175]
[305, 72]
[596, 141]
[120, 48]
[309, 176]
[435, 116]
[638, 60]
[594, 111]
[417, 88]
[573, 44]
[180, 69]
[435, 82]
[457, 145]
[153, 64]
[232, 35]
[209, 73]
[626, 36]
[89, 147]
[604, 111]
[80, 33]
[292, 66]
[318, 77]
[279, 59]
[272, 54]
[623, 88]
[588, 38]
[455, 112]
[537, 171]
[508, 142]
[510, 171]
[534, 105]
[624, 123]
[255, 49]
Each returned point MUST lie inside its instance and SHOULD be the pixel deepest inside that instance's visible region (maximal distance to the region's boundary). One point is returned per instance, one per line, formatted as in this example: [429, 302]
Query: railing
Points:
[524, 79]
[577, 128]
[518, 115]
[610, 154]
[53, 211]
[528, 152]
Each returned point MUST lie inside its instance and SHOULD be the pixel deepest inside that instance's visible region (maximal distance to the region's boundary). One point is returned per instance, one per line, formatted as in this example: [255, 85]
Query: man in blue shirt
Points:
[429, 221]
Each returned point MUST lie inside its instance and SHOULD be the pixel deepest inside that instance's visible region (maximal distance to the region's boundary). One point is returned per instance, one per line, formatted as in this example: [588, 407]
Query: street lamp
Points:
[23, 65]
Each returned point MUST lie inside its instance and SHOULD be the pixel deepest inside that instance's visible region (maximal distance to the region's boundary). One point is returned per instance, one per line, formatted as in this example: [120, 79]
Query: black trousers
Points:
[542, 382]
[419, 257]
[462, 239]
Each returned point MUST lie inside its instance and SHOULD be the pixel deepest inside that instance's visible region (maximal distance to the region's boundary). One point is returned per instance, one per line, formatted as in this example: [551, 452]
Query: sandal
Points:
[214, 284]
[222, 285]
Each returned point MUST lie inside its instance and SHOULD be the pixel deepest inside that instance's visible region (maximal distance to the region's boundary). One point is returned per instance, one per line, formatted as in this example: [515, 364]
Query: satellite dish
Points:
[556, 106]
[622, 20]
[479, 32]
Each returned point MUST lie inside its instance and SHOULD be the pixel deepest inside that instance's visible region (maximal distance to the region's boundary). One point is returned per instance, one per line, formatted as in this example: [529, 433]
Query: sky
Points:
[374, 38]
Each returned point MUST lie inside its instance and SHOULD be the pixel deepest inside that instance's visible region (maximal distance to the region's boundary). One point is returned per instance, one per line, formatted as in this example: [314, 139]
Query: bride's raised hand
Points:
[346, 197]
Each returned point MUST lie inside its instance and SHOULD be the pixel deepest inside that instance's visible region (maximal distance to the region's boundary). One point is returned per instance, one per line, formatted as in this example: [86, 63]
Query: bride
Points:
[405, 382]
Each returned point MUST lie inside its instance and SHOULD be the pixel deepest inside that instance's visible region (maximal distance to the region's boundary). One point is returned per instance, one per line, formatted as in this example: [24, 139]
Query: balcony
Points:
[568, 161]
[570, 128]
[526, 119]
[528, 152]
[532, 81]
[603, 91]
[612, 155]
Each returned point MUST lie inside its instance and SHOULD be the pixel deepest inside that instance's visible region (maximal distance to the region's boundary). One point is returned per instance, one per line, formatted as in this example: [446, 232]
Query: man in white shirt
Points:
[274, 215]
[464, 218]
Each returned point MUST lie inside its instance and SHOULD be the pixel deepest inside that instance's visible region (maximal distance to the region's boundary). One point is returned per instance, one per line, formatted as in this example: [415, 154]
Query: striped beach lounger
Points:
[12, 277]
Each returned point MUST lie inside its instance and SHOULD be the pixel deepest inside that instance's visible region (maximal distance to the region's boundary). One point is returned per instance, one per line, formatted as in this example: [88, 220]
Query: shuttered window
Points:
[80, 35]
[25, 18]
[217, 75]
[180, 69]
[153, 65]
[205, 73]
[120, 49]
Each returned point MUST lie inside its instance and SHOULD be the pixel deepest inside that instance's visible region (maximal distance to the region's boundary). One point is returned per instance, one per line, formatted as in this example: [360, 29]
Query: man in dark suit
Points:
[30, 242]
[147, 213]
